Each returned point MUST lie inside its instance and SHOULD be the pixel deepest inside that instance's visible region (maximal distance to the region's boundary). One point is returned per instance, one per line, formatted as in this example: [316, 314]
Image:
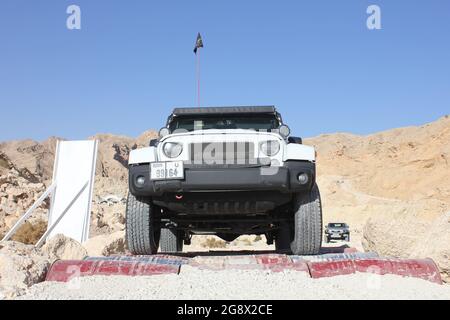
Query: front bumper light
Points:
[269, 148]
[172, 149]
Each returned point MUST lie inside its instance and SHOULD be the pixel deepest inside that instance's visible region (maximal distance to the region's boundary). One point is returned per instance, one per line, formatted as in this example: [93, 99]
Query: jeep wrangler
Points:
[225, 171]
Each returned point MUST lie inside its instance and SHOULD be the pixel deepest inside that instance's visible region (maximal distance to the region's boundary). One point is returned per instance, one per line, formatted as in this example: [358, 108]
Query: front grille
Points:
[221, 153]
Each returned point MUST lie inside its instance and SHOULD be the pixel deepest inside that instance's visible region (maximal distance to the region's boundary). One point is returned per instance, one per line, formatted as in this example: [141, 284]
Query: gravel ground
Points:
[194, 284]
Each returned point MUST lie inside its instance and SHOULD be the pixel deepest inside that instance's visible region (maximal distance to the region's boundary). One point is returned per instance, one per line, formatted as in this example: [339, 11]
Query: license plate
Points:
[336, 235]
[167, 170]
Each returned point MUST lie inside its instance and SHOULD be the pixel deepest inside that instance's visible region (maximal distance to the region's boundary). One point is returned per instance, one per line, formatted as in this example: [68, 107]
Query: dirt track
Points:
[196, 284]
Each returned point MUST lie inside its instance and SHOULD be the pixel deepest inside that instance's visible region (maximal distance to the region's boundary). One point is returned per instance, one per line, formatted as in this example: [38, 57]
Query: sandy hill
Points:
[407, 163]
[399, 167]
[392, 187]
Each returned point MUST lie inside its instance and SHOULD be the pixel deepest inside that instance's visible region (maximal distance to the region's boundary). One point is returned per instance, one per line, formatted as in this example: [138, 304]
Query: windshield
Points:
[337, 225]
[256, 122]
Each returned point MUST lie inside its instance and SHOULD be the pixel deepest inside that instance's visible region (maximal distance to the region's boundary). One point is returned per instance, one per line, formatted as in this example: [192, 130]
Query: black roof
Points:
[223, 110]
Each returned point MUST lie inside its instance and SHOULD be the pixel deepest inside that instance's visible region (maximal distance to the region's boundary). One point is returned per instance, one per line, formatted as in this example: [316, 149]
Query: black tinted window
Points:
[336, 225]
[256, 122]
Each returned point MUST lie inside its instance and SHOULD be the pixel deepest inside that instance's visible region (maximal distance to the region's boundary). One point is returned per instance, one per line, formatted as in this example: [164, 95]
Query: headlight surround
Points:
[270, 148]
[172, 149]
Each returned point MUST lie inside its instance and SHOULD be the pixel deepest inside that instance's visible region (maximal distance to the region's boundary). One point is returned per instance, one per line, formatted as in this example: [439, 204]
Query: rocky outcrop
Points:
[106, 245]
[37, 158]
[21, 266]
[18, 191]
[34, 156]
[107, 218]
[26, 170]
[406, 164]
[64, 248]
[122, 153]
[410, 235]
[392, 187]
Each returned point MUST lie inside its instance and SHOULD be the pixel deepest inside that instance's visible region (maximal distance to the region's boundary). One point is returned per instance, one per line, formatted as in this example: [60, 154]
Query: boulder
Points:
[65, 248]
[435, 244]
[113, 216]
[21, 266]
[411, 236]
[107, 219]
[106, 245]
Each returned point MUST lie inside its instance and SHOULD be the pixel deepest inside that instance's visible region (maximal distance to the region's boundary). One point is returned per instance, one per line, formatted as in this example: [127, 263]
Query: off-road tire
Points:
[171, 241]
[142, 229]
[307, 223]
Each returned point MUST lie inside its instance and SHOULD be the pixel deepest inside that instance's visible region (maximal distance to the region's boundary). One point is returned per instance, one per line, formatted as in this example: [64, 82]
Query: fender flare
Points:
[301, 152]
[143, 155]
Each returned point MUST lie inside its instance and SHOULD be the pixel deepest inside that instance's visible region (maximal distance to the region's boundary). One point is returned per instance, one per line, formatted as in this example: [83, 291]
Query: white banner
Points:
[74, 175]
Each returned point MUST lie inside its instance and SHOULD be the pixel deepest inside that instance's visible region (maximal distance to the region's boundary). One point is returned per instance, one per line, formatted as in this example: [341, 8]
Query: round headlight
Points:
[284, 130]
[172, 149]
[270, 148]
[164, 132]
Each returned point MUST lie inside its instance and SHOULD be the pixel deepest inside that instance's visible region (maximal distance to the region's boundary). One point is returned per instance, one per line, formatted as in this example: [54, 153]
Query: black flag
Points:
[198, 43]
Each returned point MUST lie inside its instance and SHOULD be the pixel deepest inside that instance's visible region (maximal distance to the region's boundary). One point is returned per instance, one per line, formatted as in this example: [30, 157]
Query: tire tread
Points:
[308, 224]
[140, 231]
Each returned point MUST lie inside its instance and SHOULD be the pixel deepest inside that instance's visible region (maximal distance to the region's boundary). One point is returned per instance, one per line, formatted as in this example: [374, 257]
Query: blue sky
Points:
[132, 61]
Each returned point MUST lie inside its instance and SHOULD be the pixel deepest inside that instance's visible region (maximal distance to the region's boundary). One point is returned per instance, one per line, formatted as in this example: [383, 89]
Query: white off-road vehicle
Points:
[225, 171]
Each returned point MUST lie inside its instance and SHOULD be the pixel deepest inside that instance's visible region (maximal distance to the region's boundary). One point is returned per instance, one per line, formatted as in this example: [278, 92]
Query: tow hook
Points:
[179, 196]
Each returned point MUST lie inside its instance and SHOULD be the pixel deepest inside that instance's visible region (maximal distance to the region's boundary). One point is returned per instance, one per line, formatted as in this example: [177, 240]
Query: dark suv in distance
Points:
[337, 231]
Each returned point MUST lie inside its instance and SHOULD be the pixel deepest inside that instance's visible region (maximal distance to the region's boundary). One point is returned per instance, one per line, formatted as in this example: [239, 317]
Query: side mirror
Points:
[153, 142]
[296, 140]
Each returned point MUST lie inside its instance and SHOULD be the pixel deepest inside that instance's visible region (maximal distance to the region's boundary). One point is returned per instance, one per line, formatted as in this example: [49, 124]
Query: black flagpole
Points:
[198, 77]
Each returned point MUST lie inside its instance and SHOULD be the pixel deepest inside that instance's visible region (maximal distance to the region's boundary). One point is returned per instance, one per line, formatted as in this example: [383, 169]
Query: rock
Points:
[110, 199]
[17, 193]
[122, 153]
[411, 236]
[114, 217]
[65, 248]
[435, 244]
[107, 218]
[34, 160]
[106, 245]
[21, 266]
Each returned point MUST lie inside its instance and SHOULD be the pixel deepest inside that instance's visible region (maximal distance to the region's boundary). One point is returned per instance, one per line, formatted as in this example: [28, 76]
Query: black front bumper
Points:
[206, 179]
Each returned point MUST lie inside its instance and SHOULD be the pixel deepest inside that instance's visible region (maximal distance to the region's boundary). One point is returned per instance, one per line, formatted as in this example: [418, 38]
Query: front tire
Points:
[142, 229]
[308, 223]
